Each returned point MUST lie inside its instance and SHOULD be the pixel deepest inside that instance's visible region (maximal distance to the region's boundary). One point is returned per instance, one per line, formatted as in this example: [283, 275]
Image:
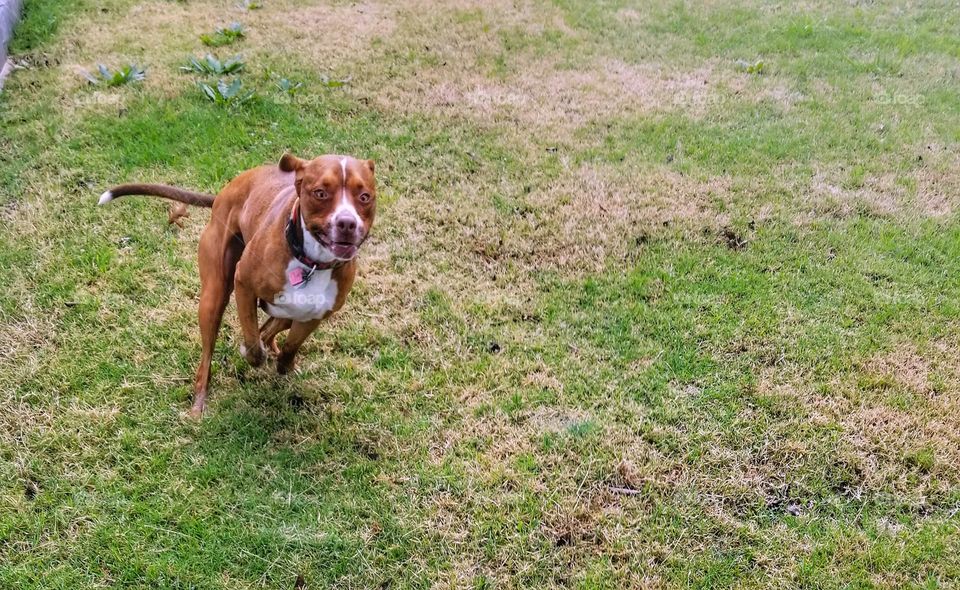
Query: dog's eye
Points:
[365, 198]
[320, 193]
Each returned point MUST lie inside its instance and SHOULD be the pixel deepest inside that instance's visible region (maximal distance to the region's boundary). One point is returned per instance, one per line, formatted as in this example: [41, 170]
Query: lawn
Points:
[659, 295]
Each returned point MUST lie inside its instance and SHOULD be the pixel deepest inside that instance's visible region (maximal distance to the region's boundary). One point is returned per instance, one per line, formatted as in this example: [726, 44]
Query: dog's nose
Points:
[346, 223]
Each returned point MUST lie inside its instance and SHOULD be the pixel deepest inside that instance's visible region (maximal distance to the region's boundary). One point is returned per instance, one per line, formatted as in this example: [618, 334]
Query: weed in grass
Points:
[757, 67]
[128, 74]
[211, 65]
[331, 82]
[224, 35]
[288, 88]
[224, 94]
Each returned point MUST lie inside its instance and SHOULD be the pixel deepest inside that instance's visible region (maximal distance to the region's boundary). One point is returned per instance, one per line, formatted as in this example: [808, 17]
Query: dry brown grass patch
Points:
[911, 447]
[326, 36]
[938, 180]
[599, 211]
[506, 436]
[22, 342]
[543, 95]
[930, 189]
[905, 366]
[576, 223]
[885, 441]
[535, 91]
[879, 196]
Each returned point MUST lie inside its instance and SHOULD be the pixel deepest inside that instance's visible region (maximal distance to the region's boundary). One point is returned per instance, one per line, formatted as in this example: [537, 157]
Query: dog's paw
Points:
[272, 348]
[286, 364]
[199, 404]
[196, 412]
[255, 355]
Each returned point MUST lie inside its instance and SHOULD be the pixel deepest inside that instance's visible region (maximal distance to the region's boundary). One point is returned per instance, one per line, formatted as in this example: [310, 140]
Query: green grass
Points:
[701, 332]
[39, 22]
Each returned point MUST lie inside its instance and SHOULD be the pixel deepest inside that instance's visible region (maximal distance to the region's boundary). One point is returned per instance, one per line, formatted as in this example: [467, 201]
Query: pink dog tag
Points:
[295, 276]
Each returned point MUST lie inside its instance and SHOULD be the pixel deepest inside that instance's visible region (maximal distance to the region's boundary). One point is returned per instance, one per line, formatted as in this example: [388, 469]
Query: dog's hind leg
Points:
[218, 258]
[269, 331]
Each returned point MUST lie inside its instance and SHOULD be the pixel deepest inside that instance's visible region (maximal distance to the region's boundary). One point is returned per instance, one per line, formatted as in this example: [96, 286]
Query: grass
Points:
[632, 315]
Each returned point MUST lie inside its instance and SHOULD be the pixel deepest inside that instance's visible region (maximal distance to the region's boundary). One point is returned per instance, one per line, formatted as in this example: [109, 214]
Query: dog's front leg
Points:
[252, 348]
[298, 333]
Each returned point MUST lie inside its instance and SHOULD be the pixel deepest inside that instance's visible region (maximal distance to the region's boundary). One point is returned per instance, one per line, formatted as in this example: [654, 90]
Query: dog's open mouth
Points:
[343, 250]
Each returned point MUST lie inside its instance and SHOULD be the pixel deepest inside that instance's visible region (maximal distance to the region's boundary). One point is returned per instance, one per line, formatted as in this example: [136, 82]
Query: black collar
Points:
[294, 232]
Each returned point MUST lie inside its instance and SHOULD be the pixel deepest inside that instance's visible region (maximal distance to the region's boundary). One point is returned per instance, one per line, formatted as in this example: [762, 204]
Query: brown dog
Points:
[284, 237]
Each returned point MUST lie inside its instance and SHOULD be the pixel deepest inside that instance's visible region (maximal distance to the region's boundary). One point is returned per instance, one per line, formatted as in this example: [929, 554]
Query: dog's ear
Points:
[290, 163]
[369, 164]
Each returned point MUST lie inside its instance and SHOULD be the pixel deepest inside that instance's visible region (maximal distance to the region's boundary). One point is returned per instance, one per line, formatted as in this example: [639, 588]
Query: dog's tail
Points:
[158, 190]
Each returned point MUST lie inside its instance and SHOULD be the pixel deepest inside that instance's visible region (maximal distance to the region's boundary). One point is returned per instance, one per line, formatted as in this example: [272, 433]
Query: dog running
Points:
[283, 238]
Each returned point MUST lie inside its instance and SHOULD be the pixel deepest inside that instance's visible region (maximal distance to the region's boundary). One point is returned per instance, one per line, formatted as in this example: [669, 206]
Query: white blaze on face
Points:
[344, 206]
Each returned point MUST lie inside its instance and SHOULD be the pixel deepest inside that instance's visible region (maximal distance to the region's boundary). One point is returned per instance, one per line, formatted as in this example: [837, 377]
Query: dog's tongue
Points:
[343, 251]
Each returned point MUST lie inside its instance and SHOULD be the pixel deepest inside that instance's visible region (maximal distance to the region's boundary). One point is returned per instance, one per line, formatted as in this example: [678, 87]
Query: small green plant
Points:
[334, 82]
[250, 5]
[125, 75]
[289, 88]
[757, 67]
[223, 35]
[212, 65]
[226, 94]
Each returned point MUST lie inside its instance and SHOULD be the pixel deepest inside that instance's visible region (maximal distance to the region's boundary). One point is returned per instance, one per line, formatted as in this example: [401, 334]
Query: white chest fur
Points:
[307, 301]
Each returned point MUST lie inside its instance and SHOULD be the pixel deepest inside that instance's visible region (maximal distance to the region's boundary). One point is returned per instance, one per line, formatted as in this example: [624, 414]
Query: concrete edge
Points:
[5, 71]
[9, 15]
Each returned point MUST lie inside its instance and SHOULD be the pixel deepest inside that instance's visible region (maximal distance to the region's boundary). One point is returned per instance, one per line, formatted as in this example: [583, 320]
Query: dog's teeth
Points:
[105, 198]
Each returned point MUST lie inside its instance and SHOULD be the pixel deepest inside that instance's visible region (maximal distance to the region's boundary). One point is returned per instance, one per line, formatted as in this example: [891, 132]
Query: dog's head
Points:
[338, 200]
